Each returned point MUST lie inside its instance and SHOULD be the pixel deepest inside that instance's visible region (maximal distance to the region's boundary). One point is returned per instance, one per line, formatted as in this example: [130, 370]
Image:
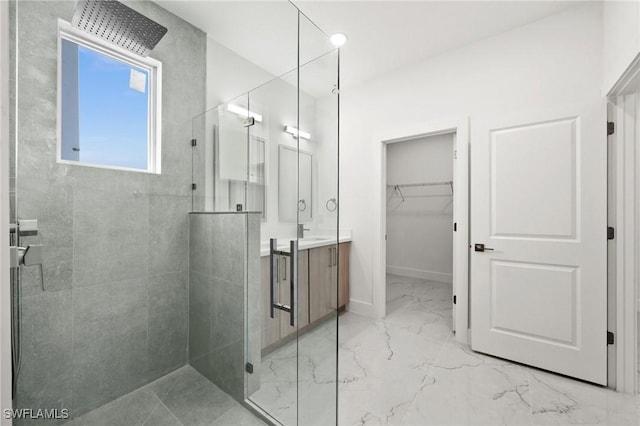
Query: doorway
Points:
[457, 129]
[420, 224]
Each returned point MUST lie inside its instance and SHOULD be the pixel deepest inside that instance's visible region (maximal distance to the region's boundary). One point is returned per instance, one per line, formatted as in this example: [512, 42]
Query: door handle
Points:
[480, 247]
[293, 280]
[284, 268]
[273, 275]
[274, 255]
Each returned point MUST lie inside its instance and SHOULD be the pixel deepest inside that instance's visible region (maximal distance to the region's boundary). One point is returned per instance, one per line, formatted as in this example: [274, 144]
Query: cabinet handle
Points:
[335, 256]
[330, 257]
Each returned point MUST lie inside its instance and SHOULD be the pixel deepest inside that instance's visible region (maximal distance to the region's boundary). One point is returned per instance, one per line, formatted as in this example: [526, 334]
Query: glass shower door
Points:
[293, 374]
[318, 118]
[272, 384]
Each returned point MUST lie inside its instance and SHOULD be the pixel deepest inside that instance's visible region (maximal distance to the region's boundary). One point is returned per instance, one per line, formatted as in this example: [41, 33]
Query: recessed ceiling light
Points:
[338, 39]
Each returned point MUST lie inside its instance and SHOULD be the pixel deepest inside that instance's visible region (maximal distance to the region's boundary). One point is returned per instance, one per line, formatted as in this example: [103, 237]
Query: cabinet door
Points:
[322, 273]
[343, 274]
[270, 326]
[303, 294]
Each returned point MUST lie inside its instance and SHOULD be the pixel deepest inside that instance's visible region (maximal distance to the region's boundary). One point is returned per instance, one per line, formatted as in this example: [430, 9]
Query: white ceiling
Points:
[383, 35]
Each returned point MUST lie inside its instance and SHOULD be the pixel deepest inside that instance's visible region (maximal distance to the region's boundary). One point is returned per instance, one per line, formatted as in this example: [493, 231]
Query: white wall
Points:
[229, 75]
[621, 35]
[557, 60]
[419, 229]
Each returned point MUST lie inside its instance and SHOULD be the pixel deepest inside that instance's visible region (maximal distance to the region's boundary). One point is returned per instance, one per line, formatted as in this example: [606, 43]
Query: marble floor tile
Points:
[298, 380]
[408, 369]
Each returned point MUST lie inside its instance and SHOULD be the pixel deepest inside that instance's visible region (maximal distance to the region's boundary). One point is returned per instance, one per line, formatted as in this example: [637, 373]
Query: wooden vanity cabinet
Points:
[323, 275]
[318, 292]
[274, 329]
[303, 294]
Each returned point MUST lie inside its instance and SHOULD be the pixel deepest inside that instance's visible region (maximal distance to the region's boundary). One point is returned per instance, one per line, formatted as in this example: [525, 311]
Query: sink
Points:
[310, 239]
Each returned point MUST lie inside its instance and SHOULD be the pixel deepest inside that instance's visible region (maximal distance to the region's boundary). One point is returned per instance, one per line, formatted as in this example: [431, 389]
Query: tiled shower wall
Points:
[224, 295]
[114, 315]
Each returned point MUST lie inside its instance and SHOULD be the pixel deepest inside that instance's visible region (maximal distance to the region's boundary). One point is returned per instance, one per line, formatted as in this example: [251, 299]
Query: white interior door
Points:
[538, 199]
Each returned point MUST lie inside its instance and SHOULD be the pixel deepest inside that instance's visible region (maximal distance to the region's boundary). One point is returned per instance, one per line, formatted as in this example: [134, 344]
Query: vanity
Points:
[318, 272]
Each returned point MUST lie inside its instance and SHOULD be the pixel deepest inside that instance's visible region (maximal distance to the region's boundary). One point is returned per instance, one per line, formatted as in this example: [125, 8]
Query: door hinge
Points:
[455, 299]
[455, 154]
[455, 227]
[248, 368]
[193, 186]
[194, 142]
[610, 338]
[611, 128]
[611, 233]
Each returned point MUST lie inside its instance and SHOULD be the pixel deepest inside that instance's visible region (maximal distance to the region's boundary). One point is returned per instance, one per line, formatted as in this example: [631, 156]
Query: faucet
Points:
[301, 230]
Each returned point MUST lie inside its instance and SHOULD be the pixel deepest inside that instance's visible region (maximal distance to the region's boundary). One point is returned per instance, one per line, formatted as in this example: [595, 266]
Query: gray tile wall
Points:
[115, 313]
[224, 278]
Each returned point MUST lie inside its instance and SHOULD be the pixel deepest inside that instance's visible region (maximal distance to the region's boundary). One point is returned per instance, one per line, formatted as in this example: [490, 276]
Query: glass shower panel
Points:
[317, 348]
[273, 384]
[223, 174]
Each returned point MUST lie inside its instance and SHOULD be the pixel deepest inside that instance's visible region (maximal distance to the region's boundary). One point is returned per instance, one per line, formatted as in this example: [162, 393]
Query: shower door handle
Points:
[273, 275]
[292, 307]
[293, 283]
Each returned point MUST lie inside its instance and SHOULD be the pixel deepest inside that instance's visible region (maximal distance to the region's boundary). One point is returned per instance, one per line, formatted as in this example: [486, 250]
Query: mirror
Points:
[240, 167]
[288, 201]
[256, 188]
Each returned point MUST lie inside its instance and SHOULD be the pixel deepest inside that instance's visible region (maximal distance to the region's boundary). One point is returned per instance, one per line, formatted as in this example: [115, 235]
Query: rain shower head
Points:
[118, 24]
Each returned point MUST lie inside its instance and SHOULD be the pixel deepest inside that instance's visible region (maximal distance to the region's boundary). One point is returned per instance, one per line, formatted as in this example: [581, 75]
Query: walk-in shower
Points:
[182, 292]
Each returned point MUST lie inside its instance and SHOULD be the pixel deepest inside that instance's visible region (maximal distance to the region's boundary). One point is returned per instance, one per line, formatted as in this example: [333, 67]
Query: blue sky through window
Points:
[112, 117]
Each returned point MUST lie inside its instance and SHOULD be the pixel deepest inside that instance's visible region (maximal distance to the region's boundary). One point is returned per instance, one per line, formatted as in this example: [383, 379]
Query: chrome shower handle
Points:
[273, 275]
[293, 283]
[274, 254]
[27, 256]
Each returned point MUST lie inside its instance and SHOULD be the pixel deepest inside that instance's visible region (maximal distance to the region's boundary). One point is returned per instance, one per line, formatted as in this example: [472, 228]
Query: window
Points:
[108, 104]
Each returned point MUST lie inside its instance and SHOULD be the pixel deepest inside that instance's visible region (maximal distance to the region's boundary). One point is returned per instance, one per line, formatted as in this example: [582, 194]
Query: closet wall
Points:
[419, 228]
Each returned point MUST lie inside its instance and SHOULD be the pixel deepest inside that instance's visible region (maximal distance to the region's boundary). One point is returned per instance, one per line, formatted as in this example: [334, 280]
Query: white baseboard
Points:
[418, 273]
[361, 308]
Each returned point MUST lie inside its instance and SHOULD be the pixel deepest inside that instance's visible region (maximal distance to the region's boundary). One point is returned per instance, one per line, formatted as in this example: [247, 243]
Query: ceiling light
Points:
[295, 132]
[243, 112]
[338, 39]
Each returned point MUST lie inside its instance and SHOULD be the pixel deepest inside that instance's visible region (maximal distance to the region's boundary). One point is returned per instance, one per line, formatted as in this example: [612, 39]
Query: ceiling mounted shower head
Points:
[118, 24]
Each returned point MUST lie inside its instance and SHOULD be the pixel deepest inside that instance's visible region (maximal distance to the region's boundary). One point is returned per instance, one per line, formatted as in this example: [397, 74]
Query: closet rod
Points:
[422, 196]
[407, 185]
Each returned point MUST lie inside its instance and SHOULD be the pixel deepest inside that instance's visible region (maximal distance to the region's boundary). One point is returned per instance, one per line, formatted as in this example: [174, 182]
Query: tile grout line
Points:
[168, 409]
[170, 387]
[150, 413]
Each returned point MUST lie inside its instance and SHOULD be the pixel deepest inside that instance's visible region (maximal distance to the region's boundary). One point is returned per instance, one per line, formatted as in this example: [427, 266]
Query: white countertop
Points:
[309, 242]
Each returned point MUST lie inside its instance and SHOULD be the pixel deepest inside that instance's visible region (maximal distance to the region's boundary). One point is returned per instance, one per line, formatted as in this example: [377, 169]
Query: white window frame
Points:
[154, 68]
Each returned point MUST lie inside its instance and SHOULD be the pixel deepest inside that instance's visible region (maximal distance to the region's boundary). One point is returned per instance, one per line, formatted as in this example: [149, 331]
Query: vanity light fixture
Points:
[243, 112]
[295, 132]
[338, 39]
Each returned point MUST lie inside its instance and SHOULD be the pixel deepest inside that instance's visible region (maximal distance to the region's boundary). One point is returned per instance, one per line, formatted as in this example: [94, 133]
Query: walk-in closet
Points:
[420, 201]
